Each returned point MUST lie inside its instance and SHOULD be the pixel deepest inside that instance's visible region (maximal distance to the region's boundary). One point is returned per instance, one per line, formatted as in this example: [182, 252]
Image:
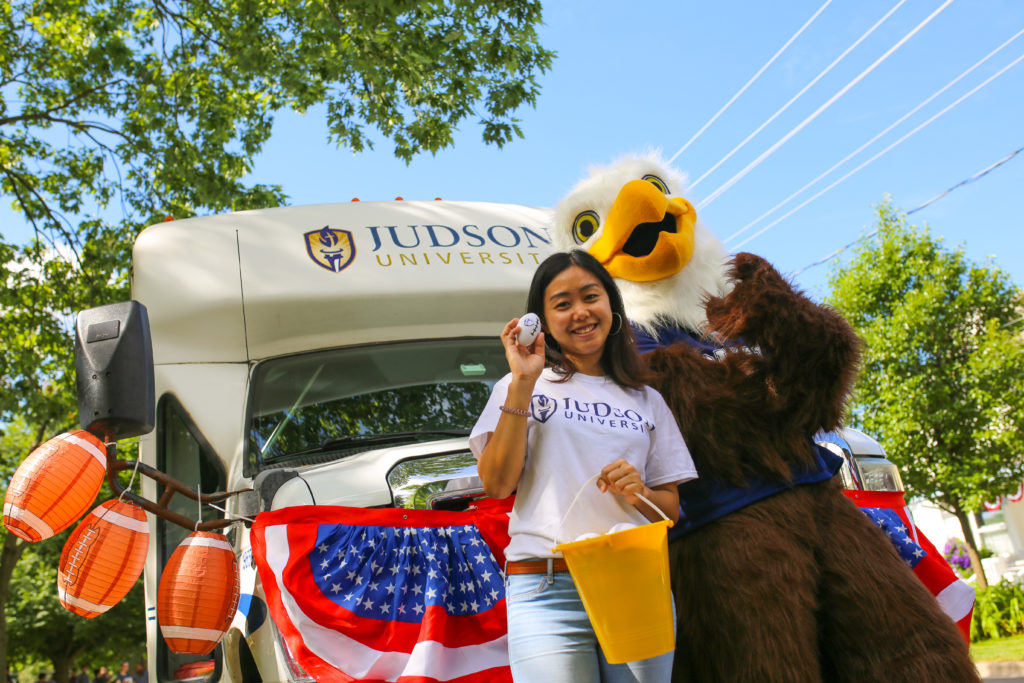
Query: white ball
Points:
[529, 327]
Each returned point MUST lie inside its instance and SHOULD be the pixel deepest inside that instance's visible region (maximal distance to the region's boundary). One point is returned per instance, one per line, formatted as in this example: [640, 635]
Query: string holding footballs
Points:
[106, 553]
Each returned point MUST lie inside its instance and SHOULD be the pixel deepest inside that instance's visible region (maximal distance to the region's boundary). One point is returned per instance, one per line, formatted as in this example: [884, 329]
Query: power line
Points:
[976, 176]
[837, 252]
[764, 155]
[874, 139]
[799, 94]
[884, 151]
[751, 81]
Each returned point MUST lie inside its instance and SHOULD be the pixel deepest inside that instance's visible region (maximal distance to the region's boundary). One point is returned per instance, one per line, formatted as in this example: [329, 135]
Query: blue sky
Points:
[650, 76]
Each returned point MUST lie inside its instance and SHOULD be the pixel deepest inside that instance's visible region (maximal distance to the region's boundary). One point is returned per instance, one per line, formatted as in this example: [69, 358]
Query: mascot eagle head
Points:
[632, 217]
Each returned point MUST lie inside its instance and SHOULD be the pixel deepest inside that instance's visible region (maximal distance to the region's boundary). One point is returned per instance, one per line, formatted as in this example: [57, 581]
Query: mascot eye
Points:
[584, 227]
[657, 182]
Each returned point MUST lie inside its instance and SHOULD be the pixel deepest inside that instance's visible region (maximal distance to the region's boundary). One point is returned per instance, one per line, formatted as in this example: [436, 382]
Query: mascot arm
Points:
[808, 352]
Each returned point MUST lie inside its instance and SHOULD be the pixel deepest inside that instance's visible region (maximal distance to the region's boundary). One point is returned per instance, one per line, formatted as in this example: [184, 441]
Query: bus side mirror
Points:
[114, 364]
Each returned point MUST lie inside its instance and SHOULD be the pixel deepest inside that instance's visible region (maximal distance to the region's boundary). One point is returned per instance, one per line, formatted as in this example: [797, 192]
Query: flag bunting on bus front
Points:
[388, 594]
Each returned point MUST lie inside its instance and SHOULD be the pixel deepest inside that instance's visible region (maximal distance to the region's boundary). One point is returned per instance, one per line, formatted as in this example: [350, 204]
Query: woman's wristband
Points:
[514, 411]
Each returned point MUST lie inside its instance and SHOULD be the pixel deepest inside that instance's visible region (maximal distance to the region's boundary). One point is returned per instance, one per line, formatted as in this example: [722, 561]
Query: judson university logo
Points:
[543, 407]
[331, 249]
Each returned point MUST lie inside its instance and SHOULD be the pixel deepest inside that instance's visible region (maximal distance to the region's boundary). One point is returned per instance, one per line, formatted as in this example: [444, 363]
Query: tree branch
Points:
[55, 218]
[40, 433]
[180, 19]
[45, 114]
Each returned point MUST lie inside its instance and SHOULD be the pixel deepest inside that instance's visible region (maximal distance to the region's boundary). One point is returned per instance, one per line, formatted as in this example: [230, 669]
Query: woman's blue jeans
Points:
[550, 638]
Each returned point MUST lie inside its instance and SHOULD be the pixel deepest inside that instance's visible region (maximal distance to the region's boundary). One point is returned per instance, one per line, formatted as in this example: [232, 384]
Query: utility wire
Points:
[751, 81]
[976, 176]
[799, 94]
[979, 174]
[915, 130]
[872, 140]
[764, 155]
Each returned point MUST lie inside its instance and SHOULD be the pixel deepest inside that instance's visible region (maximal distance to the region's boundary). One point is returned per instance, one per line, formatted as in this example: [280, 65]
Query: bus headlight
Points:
[878, 474]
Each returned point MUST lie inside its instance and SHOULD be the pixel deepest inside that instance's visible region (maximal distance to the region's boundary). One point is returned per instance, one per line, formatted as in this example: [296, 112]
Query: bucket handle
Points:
[583, 488]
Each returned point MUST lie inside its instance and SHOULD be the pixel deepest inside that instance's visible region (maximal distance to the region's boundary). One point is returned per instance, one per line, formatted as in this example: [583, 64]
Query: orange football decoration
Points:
[103, 558]
[55, 485]
[198, 593]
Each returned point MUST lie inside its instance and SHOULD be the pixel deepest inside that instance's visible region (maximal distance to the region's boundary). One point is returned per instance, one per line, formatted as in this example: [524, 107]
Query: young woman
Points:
[573, 406]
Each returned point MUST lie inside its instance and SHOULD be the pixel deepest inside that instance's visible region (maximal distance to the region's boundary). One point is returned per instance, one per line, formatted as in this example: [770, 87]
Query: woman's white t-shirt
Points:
[574, 429]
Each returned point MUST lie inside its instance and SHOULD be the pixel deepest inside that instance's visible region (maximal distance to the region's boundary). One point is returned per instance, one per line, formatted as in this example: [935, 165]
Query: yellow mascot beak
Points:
[647, 235]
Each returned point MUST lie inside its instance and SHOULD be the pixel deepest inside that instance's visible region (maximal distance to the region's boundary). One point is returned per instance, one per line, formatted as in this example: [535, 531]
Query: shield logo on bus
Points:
[331, 249]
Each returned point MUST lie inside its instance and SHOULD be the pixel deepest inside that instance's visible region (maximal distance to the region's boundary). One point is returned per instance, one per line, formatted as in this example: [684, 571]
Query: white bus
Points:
[336, 354]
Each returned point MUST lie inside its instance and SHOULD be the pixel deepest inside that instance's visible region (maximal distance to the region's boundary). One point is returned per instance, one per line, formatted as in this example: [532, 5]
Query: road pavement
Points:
[1001, 672]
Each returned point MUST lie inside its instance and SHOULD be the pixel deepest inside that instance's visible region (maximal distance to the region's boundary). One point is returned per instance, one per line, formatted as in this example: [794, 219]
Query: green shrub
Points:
[998, 612]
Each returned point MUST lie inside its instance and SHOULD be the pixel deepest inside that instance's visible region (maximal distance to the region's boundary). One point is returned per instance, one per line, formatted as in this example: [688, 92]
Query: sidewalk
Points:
[1000, 669]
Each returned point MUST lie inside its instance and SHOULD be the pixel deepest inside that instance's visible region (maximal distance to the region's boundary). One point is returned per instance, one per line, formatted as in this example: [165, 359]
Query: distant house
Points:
[998, 530]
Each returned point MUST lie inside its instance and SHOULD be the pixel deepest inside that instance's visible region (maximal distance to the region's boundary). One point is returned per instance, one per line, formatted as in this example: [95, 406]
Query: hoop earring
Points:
[617, 318]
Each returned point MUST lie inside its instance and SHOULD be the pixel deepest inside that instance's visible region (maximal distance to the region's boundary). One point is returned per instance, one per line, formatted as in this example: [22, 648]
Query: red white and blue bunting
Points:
[1015, 497]
[1018, 495]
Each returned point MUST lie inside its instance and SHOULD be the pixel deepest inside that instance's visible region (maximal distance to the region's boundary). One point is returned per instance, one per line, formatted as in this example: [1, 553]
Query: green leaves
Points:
[942, 380]
[117, 113]
[998, 612]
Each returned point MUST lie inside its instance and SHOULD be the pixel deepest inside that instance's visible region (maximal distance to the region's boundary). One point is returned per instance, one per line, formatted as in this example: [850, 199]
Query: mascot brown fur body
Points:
[801, 585]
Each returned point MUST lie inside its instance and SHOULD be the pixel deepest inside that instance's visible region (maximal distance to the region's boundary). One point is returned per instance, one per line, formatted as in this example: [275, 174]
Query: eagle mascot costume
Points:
[776, 574]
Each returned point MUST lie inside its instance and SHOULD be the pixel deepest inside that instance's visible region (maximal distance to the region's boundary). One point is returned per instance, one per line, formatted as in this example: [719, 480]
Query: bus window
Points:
[184, 454]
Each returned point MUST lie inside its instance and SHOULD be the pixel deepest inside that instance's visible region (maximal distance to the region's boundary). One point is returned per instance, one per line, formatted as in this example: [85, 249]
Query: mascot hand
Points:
[746, 267]
[745, 313]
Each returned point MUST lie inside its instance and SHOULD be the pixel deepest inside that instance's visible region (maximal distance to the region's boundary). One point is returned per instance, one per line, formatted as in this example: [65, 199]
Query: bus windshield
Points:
[345, 399]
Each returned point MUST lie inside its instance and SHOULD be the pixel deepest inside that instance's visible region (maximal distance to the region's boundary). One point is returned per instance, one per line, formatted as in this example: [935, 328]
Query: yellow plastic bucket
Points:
[623, 580]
